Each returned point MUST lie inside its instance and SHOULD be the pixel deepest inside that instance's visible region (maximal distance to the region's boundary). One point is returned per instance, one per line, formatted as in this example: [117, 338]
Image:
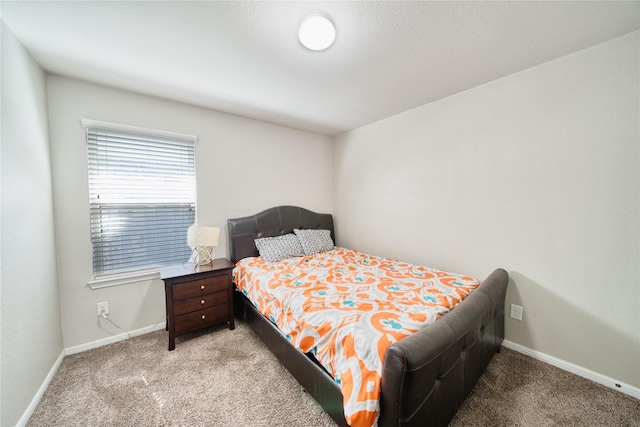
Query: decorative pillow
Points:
[274, 249]
[315, 241]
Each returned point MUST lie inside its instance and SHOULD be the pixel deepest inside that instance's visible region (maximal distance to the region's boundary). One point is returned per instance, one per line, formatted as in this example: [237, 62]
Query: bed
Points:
[425, 377]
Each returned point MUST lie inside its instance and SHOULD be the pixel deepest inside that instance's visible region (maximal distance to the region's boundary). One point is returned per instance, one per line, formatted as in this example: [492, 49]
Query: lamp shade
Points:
[203, 236]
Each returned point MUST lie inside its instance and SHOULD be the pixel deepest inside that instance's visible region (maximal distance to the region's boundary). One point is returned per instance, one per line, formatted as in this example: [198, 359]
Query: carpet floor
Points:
[219, 377]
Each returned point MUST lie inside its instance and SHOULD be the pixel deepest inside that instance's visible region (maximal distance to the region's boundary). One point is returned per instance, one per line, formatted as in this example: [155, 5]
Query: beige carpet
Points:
[517, 390]
[227, 378]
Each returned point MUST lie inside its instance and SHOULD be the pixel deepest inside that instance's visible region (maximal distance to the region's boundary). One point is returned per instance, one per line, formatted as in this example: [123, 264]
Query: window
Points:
[142, 197]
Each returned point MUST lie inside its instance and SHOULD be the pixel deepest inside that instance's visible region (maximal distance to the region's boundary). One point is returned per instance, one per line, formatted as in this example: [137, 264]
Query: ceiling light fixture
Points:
[316, 32]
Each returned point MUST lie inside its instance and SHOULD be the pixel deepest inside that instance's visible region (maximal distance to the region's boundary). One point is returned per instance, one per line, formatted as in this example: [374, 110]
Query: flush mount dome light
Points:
[317, 32]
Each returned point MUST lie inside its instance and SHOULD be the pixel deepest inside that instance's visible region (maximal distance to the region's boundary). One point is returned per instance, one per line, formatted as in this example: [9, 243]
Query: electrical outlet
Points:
[516, 312]
[103, 307]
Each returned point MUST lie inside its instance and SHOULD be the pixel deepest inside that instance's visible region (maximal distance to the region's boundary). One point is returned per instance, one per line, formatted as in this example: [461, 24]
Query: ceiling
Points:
[244, 58]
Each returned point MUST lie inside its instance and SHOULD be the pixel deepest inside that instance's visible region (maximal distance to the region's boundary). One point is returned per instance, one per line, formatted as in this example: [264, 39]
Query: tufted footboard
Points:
[427, 375]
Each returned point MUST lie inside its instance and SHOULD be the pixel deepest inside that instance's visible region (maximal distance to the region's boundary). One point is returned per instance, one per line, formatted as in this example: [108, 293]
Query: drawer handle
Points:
[202, 302]
[201, 286]
[203, 316]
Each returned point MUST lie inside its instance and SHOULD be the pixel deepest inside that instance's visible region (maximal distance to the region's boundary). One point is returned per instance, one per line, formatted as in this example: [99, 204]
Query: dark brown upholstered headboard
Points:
[271, 222]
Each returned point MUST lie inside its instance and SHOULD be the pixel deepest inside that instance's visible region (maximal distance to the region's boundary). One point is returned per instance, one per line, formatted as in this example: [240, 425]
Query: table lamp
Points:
[203, 240]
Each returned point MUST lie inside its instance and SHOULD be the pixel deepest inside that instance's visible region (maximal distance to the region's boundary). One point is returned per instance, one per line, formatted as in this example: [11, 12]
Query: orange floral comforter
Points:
[346, 308]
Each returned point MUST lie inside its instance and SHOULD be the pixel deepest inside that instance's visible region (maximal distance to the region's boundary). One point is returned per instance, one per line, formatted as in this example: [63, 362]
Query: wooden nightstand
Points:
[197, 296]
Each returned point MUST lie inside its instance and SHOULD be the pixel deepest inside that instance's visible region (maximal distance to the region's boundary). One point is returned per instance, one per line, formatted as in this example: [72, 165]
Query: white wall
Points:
[538, 173]
[242, 167]
[31, 336]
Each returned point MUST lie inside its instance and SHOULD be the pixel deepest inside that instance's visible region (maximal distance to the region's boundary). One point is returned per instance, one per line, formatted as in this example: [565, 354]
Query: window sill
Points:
[124, 278]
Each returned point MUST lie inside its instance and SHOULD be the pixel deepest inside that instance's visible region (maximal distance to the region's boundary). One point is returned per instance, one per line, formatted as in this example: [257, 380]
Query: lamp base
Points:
[203, 255]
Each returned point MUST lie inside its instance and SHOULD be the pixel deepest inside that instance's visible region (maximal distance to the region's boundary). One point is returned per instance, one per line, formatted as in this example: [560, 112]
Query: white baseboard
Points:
[114, 338]
[36, 399]
[575, 369]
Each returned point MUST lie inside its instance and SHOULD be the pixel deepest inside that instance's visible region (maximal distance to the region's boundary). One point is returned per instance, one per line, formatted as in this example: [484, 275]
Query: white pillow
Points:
[273, 249]
[315, 241]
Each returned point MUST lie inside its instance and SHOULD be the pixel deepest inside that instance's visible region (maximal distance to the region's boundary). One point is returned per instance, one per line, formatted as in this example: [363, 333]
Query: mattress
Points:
[346, 307]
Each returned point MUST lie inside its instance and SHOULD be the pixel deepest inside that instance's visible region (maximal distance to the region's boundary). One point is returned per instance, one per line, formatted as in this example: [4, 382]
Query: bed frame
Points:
[425, 377]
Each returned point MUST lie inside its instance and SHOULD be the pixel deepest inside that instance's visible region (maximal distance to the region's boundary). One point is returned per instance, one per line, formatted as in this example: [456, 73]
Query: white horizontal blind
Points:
[142, 197]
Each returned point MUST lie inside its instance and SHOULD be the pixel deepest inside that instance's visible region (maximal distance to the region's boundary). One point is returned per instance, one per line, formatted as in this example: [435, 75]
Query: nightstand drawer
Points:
[200, 287]
[204, 301]
[200, 318]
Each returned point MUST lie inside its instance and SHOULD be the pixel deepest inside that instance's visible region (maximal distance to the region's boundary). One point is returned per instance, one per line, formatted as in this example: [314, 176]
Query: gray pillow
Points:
[274, 249]
[315, 241]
